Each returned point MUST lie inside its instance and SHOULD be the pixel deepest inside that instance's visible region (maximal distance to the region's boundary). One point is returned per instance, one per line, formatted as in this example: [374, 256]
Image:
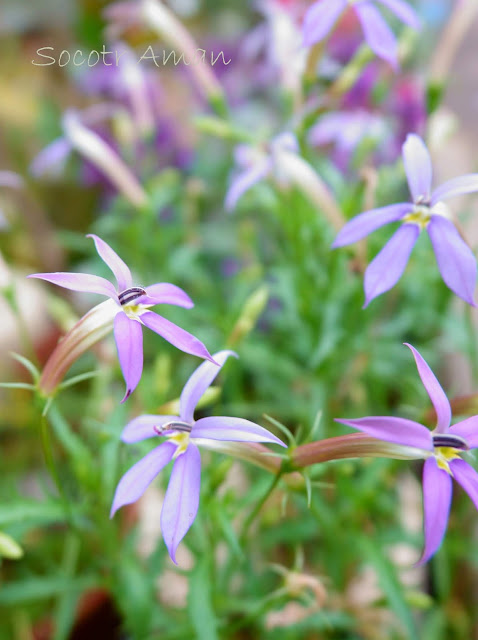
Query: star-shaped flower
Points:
[134, 303]
[323, 14]
[456, 261]
[182, 434]
[442, 450]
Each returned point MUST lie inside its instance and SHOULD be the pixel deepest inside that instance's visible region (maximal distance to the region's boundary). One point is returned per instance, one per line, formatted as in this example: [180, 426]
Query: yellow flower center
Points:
[421, 216]
[181, 439]
[134, 311]
[443, 455]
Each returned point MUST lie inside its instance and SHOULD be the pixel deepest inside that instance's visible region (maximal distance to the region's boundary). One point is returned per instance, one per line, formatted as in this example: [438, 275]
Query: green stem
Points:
[252, 516]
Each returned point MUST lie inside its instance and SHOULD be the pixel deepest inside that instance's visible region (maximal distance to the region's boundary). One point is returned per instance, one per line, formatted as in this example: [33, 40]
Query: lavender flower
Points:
[442, 449]
[323, 14]
[257, 163]
[455, 259]
[182, 434]
[281, 160]
[133, 304]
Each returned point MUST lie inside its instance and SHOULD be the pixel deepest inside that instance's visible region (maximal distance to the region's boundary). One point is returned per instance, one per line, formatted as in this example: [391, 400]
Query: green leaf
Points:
[9, 548]
[27, 364]
[390, 583]
[200, 609]
[32, 511]
[17, 385]
[42, 588]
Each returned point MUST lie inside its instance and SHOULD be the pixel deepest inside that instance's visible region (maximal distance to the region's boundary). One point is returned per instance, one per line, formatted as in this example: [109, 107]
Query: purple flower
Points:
[256, 164]
[323, 14]
[182, 434]
[455, 259]
[442, 450]
[133, 311]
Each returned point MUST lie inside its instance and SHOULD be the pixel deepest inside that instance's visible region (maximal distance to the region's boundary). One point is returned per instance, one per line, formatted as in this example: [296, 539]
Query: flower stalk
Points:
[89, 330]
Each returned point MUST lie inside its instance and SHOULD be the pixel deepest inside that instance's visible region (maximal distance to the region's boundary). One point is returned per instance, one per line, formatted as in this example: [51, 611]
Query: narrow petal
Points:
[120, 270]
[434, 390]
[320, 19]
[199, 381]
[83, 282]
[165, 293]
[455, 259]
[232, 430]
[178, 337]
[388, 265]
[418, 167]
[369, 221]
[397, 430]
[377, 33]
[51, 160]
[467, 477]
[468, 430]
[142, 427]
[129, 342]
[181, 501]
[135, 481]
[404, 12]
[456, 187]
[437, 491]
[244, 181]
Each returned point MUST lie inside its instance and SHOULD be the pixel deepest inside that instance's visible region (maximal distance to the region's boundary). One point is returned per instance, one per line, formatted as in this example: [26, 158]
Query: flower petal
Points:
[178, 337]
[434, 390]
[369, 221]
[404, 12]
[456, 187]
[437, 491]
[120, 270]
[232, 430]
[397, 430]
[455, 259]
[199, 381]
[165, 293]
[467, 477]
[378, 34]
[129, 343]
[418, 167]
[135, 481]
[388, 265]
[142, 427]
[51, 160]
[181, 501]
[83, 282]
[468, 430]
[244, 181]
[320, 19]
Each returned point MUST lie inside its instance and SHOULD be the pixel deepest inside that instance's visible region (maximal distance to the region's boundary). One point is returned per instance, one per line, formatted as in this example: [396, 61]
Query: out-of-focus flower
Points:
[323, 14]
[182, 434]
[346, 131]
[281, 36]
[442, 450]
[91, 146]
[456, 261]
[11, 180]
[280, 160]
[157, 16]
[132, 311]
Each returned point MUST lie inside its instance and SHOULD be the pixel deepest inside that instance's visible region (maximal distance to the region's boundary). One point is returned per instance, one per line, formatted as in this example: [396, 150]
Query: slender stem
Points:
[252, 516]
[352, 445]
